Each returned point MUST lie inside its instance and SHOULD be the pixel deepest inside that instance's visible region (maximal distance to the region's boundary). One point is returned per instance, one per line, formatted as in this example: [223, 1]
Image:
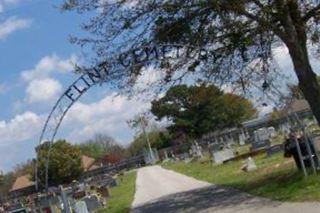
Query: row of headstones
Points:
[81, 197]
[221, 147]
[195, 151]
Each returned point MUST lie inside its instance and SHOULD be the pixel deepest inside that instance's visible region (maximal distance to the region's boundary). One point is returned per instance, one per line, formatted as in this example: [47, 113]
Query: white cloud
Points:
[43, 90]
[108, 116]
[283, 59]
[47, 65]
[13, 24]
[22, 127]
[41, 87]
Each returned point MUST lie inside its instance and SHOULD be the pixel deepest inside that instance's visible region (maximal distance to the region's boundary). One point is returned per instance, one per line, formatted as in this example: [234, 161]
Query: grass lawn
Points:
[122, 196]
[276, 178]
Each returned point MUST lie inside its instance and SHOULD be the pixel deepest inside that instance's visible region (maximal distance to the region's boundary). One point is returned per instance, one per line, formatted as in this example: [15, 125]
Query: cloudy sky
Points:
[35, 68]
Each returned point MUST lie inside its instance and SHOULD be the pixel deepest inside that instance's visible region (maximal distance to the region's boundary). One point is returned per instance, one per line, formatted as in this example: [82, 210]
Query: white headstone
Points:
[261, 135]
[81, 207]
[166, 155]
[221, 156]
[272, 132]
[241, 139]
[199, 150]
[250, 164]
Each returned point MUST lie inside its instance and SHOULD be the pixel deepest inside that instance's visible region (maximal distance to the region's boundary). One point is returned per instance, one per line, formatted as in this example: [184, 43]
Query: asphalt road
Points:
[164, 191]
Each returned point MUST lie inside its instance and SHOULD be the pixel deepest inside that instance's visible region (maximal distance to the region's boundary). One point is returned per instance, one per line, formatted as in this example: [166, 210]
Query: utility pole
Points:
[147, 139]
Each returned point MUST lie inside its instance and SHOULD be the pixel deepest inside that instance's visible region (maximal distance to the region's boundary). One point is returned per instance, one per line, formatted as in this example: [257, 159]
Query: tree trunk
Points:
[307, 78]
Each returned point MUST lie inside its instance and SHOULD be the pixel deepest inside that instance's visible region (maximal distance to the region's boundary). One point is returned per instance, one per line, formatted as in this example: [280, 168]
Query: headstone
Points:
[275, 149]
[199, 151]
[187, 160]
[285, 128]
[261, 139]
[92, 203]
[81, 207]
[249, 165]
[272, 132]
[262, 134]
[166, 155]
[241, 139]
[173, 155]
[221, 156]
[231, 140]
[221, 140]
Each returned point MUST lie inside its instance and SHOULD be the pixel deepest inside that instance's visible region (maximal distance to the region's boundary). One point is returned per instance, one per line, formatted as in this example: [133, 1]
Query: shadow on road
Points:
[208, 199]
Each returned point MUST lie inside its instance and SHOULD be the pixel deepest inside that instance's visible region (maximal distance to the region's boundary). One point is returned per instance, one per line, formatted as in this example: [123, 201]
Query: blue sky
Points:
[36, 67]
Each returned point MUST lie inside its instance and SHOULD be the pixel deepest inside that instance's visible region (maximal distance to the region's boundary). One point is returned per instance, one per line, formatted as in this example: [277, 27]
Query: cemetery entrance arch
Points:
[125, 62]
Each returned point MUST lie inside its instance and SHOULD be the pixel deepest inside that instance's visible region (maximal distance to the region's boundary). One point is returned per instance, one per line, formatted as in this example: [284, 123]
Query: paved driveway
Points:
[164, 191]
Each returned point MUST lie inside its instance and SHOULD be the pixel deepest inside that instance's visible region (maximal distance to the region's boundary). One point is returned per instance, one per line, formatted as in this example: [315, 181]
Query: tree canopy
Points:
[158, 139]
[239, 33]
[197, 110]
[295, 92]
[65, 163]
[101, 145]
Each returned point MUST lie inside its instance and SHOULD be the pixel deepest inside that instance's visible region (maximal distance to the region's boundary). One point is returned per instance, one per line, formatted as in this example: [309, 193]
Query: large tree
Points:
[159, 139]
[65, 163]
[240, 33]
[101, 145]
[197, 110]
[295, 91]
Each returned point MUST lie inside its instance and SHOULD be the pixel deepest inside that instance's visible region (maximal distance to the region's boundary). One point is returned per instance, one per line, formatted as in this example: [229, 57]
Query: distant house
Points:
[296, 106]
[257, 122]
[87, 162]
[109, 159]
[22, 186]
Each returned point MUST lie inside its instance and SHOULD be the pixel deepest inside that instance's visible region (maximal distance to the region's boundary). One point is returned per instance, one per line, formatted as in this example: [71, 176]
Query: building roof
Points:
[256, 122]
[22, 182]
[296, 106]
[87, 162]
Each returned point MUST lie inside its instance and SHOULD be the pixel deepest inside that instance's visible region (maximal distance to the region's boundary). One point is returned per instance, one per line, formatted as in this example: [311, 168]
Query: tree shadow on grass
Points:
[213, 198]
[271, 185]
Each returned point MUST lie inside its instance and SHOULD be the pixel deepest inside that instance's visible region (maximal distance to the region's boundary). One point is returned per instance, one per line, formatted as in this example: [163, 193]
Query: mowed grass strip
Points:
[276, 178]
[122, 195]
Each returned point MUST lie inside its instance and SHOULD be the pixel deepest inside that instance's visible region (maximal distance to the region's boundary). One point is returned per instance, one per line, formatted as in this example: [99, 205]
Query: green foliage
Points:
[163, 140]
[239, 35]
[122, 196]
[100, 146]
[65, 162]
[239, 32]
[158, 139]
[91, 149]
[6, 183]
[197, 110]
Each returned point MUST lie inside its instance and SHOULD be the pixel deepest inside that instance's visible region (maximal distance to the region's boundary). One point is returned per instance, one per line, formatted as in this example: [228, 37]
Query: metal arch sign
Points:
[133, 58]
[99, 74]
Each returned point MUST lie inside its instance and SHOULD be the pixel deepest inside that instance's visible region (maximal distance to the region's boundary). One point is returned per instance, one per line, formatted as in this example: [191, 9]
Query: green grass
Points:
[276, 178]
[122, 195]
